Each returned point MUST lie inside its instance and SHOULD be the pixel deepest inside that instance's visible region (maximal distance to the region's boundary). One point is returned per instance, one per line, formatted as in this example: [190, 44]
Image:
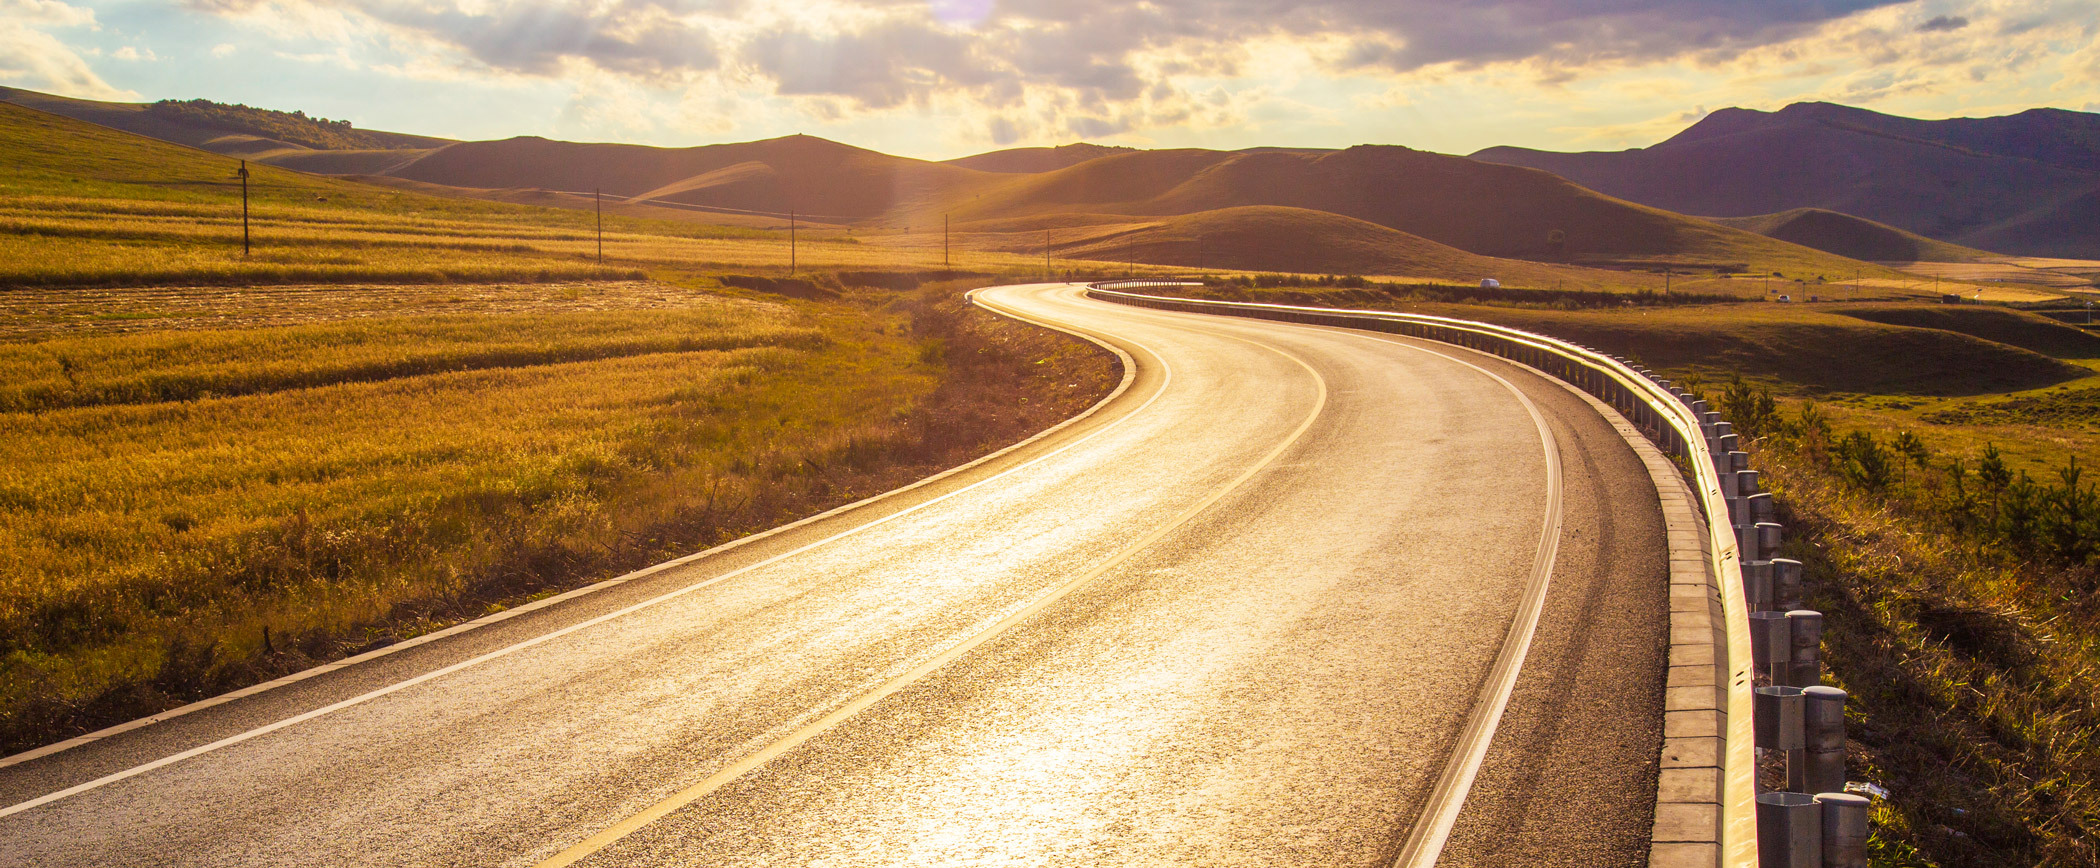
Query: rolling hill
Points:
[1855, 237]
[1272, 238]
[821, 178]
[1477, 207]
[284, 138]
[1481, 208]
[1032, 160]
[2027, 183]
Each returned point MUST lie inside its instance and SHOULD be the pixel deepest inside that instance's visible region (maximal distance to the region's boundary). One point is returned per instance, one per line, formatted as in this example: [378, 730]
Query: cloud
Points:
[1560, 35]
[31, 56]
[224, 49]
[882, 52]
[881, 67]
[132, 52]
[1011, 70]
[655, 40]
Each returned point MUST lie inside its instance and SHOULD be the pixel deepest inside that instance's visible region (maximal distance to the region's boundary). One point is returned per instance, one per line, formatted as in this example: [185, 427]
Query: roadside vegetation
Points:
[1962, 606]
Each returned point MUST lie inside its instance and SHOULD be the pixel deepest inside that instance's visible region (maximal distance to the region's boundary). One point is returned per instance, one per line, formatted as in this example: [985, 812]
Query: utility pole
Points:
[1666, 279]
[1046, 256]
[244, 207]
[599, 196]
[791, 242]
[945, 261]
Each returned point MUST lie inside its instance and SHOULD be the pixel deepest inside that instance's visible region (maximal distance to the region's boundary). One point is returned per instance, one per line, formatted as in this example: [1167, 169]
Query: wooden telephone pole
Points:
[599, 196]
[243, 173]
[791, 242]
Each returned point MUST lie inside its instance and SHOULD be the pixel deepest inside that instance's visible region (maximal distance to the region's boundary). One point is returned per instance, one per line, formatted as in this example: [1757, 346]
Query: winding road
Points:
[1292, 595]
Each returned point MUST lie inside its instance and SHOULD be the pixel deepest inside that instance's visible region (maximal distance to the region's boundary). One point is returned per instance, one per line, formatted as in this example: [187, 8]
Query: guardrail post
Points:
[1786, 583]
[1805, 657]
[1757, 585]
[1762, 507]
[1767, 540]
[1845, 829]
[1789, 830]
[1823, 728]
[1771, 644]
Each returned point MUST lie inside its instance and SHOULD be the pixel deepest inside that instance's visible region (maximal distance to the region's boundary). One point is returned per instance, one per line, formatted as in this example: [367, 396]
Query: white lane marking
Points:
[1432, 828]
[1167, 374]
[585, 848]
[1425, 842]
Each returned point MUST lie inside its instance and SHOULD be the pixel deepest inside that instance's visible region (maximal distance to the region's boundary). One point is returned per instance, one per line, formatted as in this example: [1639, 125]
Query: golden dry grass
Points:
[187, 510]
[400, 410]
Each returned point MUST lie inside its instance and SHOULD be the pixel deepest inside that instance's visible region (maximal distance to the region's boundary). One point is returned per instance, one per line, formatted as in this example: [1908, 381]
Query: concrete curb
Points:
[1688, 793]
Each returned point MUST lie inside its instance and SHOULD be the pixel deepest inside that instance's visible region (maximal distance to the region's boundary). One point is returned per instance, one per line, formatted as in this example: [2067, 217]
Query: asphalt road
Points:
[1239, 615]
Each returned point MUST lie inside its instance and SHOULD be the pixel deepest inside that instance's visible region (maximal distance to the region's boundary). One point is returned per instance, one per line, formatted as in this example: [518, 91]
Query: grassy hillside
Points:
[230, 129]
[1852, 237]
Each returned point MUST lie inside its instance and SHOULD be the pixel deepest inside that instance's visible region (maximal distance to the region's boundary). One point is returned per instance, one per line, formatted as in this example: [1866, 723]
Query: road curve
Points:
[1241, 614]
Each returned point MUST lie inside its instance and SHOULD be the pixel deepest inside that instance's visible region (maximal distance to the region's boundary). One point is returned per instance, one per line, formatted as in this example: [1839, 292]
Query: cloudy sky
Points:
[949, 77]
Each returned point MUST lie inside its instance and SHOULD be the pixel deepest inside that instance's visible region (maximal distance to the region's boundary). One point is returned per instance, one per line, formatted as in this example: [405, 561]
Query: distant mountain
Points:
[2027, 183]
[1855, 237]
[1031, 160]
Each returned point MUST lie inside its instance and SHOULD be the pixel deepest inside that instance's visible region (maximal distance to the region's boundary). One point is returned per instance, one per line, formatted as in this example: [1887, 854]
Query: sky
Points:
[947, 78]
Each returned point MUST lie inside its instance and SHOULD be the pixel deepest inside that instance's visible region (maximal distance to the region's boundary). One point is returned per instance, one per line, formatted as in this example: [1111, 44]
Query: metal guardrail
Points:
[1681, 428]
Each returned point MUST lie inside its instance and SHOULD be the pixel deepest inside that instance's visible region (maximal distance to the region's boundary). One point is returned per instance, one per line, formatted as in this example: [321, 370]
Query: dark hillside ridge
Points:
[1854, 237]
[1032, 160]
[2021, 184]
[1481, 208]
[2015, 328]
[234, 130]
[818, 178]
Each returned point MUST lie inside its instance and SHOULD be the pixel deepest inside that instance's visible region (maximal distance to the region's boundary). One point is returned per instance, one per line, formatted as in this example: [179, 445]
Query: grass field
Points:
[85, 205]
[186, 509]
[402, 410]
